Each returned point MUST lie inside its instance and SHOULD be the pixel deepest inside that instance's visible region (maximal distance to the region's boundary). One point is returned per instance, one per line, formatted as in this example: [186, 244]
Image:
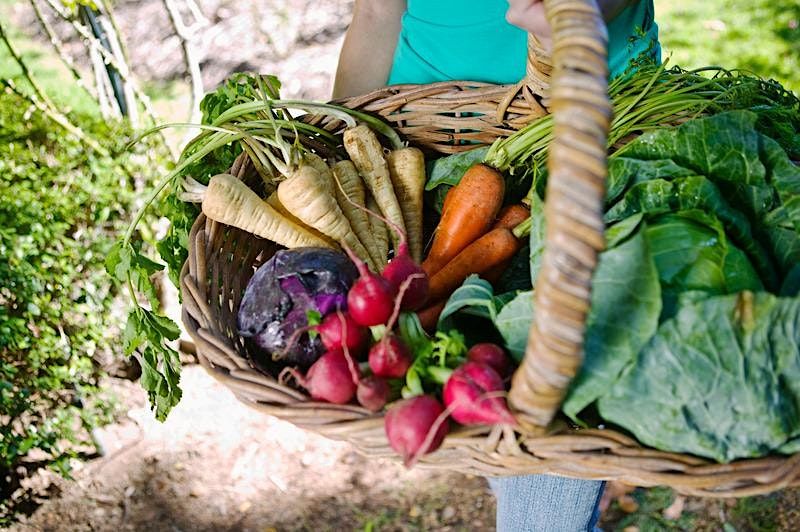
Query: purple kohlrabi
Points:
[282, 293]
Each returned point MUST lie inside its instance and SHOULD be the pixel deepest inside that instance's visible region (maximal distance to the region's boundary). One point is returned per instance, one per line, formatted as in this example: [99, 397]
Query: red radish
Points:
[408, 424]
[339, 330]
[372, 393]
[492, 355]
[463, 393]
[328, 379]
[370, 300]
[400, 268]
[390, 357]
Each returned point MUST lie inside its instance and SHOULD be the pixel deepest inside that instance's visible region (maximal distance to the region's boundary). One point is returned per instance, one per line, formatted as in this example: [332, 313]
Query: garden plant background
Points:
[69, 404]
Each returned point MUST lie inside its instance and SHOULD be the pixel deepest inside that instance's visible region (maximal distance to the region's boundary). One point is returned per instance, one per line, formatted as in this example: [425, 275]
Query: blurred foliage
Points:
[73, 5]
[648, 514]
[762, 36]
[61, 207]
[756, 513]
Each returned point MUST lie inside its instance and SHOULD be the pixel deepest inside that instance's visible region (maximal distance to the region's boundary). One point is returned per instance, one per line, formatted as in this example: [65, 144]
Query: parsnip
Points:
[367, 154]
[407, 171]
[229, 201]
[276, 204]
[306, 196]
[379, 230]
[350, 188]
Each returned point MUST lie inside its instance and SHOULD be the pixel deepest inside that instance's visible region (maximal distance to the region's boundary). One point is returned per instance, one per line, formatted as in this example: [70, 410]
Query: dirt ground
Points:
[217, 465]
[296, 40]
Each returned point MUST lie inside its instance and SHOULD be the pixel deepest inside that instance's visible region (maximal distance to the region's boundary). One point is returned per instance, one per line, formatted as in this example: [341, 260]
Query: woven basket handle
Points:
[573, 211]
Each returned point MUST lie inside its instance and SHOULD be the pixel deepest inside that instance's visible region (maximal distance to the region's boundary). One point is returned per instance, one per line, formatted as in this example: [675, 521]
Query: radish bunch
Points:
[355, 367]
[373, 300]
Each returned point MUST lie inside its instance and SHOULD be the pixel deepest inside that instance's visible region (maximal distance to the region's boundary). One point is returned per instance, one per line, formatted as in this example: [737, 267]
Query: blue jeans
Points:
[534, 503]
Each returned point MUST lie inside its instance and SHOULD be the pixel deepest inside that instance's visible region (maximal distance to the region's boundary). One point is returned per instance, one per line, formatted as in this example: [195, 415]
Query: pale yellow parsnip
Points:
[229, 201]
[350, 189]
[367, 154]
[407, 170]
[306, 196]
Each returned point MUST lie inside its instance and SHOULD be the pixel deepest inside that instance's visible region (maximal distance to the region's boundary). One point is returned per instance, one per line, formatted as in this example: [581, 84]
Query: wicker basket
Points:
[448, 117]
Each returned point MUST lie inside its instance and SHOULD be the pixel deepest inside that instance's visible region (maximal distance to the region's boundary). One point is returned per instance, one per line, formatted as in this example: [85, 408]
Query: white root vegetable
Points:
[407, 170]
[367, 154]
[229, 201]
[379, 230]
[306, 195]
[349, 189]
[276, 204]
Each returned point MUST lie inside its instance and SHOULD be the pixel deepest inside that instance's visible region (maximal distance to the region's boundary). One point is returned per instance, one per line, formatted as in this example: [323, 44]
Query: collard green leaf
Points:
[514, 322]
[622, 230]
[626, 304]
[624, 172]
[781, 123]
[689, 254]
[720, 380]
[723, 147]
[536, 239]
[782, 173]
[791, 284]
[449, 170]
[696, 193]
[739, 273]
[475, 296]
[472, 309]
[785, 244]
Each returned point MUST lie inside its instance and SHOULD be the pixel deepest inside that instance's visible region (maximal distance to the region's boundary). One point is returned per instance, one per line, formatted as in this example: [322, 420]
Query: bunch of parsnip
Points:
[328, 203]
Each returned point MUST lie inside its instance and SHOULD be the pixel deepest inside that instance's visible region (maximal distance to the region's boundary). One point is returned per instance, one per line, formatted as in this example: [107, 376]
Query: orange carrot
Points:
[511, 216]
[469, 211]
[486, 252]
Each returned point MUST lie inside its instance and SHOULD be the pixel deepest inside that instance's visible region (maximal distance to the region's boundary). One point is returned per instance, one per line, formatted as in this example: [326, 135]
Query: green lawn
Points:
[762, 36]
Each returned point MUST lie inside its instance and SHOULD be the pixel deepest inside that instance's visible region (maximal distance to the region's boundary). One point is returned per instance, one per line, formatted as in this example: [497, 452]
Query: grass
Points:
[761, 36]
[756, 513]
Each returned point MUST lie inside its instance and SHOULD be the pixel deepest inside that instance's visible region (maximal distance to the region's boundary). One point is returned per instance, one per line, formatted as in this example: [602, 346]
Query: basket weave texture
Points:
[448, 117]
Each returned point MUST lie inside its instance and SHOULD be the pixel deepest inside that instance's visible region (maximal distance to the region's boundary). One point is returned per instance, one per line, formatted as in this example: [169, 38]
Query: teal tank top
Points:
[444, 40]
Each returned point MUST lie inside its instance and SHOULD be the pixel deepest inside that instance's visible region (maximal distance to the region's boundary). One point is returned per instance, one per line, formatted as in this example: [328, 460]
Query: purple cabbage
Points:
[283, 291]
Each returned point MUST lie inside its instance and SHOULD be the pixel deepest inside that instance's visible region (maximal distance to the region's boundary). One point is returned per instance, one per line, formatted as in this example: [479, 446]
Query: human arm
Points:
[368, 48]
[529, 15]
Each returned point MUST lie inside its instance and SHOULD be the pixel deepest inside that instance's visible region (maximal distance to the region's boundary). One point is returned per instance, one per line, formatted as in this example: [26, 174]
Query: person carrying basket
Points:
[423, 41]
